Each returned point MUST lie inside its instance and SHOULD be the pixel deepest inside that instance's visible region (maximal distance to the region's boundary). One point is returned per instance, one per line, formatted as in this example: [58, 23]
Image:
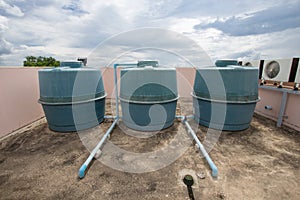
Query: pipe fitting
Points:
[268, 108]
[296, 86]
[81, 172]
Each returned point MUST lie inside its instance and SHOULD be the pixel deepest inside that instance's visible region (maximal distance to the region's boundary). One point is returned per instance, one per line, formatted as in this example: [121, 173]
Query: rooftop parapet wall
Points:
[19, 93]
[272, 101]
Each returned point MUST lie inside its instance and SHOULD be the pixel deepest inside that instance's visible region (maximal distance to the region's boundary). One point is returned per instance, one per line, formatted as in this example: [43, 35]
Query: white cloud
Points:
[69, 29]
[273, 45]
[5, 47]
[277, 18]
[10, 9]
[169, 47]
[217, 8]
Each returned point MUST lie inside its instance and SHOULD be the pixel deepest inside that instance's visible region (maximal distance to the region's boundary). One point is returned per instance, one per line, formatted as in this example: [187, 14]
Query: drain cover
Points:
[189, 181]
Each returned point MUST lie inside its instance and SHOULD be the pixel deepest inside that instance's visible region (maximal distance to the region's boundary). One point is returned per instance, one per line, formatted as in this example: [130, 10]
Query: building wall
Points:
[273, 98]
[19, 92]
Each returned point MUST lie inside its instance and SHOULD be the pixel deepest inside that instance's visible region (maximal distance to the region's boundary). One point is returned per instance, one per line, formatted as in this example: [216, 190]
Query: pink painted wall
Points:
[108, 80]
[185, 81]
[19, 92]
[273, 98]
[292, 111]
[269, 98]
[19, 95]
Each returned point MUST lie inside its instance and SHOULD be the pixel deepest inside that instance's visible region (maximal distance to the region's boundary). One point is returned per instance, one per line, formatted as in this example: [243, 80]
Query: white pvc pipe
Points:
[201, 147]
[116, 83]
[85, 165]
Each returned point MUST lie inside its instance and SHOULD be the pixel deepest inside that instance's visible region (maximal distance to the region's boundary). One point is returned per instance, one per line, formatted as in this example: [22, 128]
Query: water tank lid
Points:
[224, 63]
[72, 64]
[144, 63]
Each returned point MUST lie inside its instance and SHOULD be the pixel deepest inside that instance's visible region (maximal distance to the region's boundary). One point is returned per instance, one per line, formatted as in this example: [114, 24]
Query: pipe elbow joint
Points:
[214, 172]
[81, 172]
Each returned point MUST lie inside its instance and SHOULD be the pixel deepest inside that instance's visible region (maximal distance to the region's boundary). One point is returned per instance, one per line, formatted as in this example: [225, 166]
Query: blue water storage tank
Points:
[148, 97]
[72, 98]
[72, 64]
[224, 98]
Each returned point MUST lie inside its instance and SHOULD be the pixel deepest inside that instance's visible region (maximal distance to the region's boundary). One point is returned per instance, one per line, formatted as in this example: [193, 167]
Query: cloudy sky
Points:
[241, 29]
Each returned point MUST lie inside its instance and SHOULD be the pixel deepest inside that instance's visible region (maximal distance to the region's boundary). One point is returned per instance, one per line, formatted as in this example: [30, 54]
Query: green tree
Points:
[40, 61]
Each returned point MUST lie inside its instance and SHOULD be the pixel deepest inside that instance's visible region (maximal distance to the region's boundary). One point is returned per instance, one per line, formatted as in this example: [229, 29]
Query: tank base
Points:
[76, 117]
[148, 117]
[150, 127]
[223, 127]
[223, 116]
[73, 128]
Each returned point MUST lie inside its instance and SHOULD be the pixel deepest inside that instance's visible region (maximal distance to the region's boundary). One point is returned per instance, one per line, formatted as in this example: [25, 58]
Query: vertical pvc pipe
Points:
[116, 90]
[116, 84]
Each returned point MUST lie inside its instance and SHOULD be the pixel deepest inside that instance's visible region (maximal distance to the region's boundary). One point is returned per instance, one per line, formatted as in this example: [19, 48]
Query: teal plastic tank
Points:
[148, 97]
[230, 105]
[71, 64]
[72, 98]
